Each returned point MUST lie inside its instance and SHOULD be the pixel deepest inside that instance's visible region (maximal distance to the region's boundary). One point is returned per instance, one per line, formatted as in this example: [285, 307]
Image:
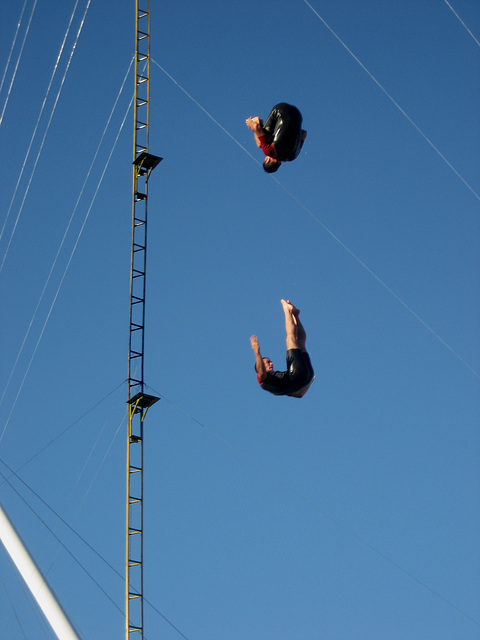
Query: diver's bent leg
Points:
[301, 335]
[290, 326]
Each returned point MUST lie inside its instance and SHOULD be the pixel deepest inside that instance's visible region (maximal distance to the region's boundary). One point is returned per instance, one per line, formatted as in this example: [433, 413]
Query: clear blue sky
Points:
[351, 514]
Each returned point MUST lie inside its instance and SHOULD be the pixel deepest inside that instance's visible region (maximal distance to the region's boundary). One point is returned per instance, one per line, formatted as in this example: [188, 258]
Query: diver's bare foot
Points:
[287, 305]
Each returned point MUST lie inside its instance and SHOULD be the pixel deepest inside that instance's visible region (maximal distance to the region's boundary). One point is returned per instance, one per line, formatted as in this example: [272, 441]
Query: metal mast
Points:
[138, 401]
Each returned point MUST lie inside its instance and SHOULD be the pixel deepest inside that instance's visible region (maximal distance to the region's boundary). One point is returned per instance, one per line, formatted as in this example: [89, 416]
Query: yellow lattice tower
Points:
[138, 401]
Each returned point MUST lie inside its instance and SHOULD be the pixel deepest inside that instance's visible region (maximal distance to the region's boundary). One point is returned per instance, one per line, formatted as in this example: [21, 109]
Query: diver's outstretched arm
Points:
[259, 363]
[256, 125]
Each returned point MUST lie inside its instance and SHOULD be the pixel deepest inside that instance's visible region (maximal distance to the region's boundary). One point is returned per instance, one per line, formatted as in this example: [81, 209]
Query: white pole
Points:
[34, 580]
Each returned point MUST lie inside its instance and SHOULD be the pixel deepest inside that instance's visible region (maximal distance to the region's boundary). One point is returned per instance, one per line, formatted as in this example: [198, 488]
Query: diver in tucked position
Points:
[281, 137]
[299, 376]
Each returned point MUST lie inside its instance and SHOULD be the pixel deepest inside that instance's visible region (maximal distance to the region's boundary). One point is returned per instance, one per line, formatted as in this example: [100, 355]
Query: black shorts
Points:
[300, 370]
[298, 375]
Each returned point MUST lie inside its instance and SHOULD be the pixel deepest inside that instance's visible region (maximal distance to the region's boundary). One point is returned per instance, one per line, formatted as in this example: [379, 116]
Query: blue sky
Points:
[353, 513]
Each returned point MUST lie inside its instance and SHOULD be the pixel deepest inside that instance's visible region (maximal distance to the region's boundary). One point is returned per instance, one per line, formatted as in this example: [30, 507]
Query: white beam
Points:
[34, 580]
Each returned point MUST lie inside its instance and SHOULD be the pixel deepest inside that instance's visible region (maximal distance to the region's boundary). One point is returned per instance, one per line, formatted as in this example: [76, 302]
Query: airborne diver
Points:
[296, 381]
[281, 137]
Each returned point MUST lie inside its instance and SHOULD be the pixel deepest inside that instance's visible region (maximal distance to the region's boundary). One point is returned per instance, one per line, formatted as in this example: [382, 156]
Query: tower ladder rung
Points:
[134, 563]
[136, 327]
[133, 532]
